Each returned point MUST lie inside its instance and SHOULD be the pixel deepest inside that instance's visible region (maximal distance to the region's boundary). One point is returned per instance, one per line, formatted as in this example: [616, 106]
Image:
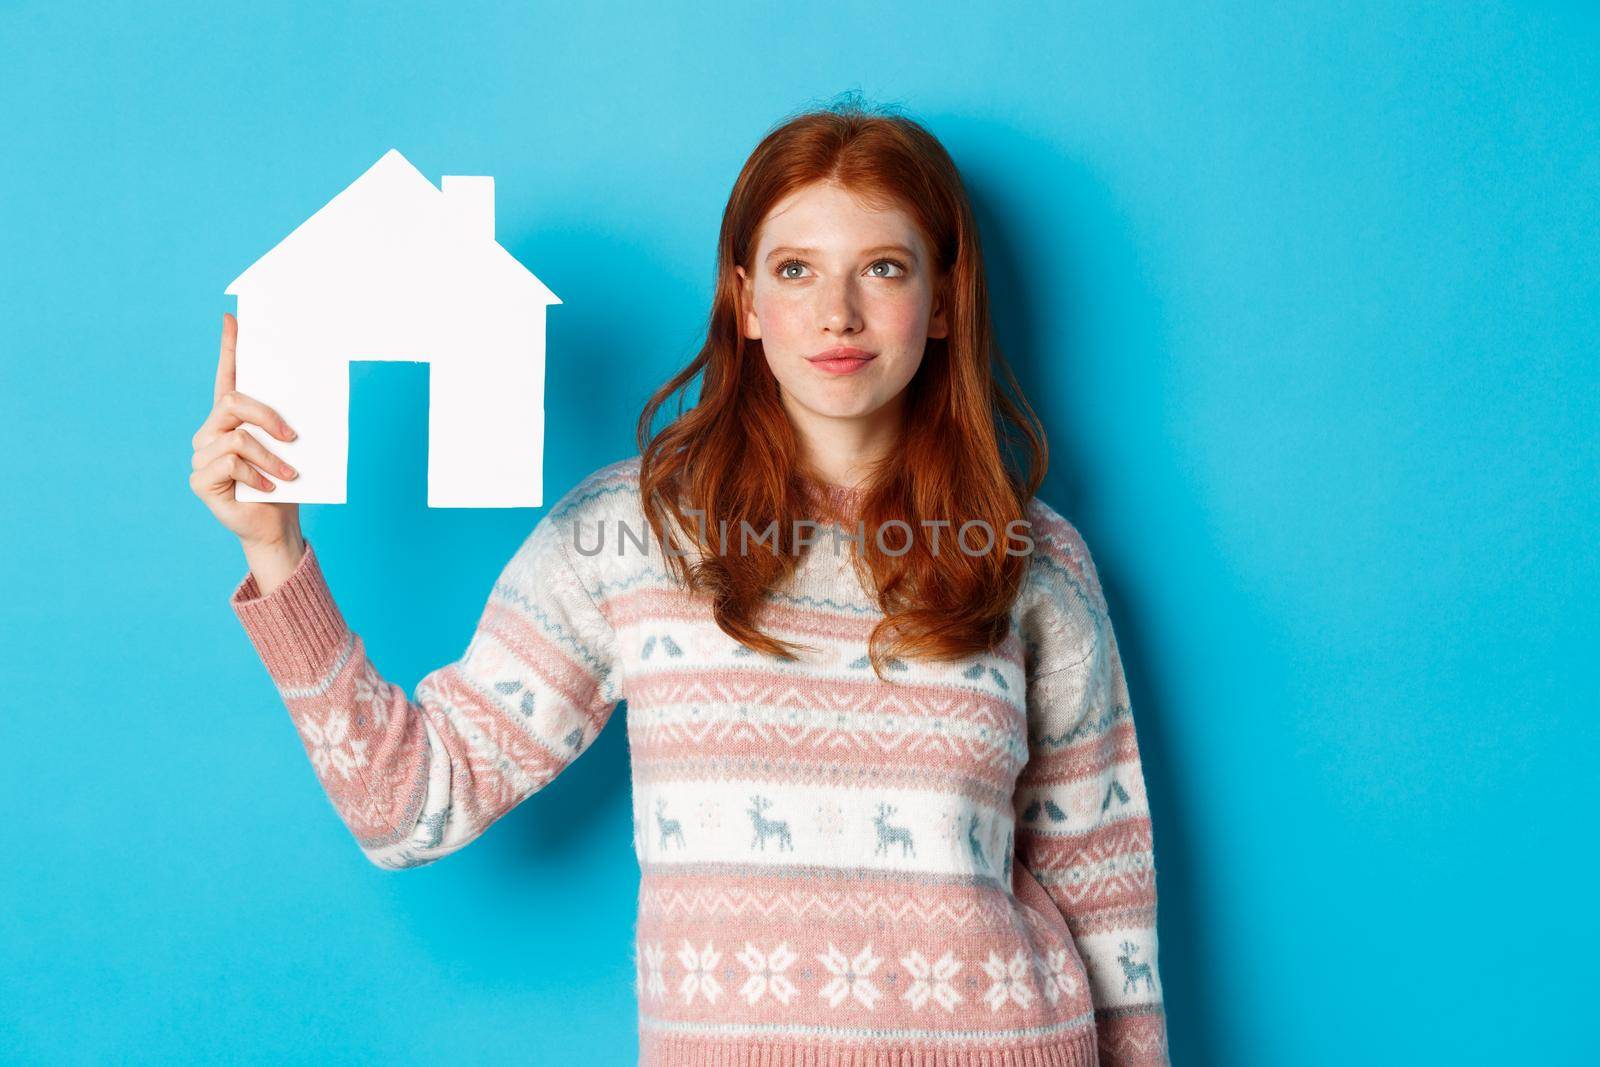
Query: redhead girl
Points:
[887, 798]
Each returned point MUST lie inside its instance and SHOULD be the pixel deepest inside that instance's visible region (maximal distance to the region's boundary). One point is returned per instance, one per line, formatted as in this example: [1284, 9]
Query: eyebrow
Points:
[787, 250]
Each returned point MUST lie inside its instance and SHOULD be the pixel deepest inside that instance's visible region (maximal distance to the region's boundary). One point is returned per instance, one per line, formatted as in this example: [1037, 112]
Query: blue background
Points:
[1306, 298]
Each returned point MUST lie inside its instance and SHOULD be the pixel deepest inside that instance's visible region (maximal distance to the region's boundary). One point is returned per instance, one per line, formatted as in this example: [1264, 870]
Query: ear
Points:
[938, 322]
[747, 302]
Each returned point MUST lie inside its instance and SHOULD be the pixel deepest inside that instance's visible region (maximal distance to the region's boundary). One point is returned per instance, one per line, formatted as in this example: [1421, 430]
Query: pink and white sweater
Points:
[953, 866]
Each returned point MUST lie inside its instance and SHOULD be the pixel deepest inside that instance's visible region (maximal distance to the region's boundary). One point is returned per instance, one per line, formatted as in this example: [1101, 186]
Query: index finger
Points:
[225, 361]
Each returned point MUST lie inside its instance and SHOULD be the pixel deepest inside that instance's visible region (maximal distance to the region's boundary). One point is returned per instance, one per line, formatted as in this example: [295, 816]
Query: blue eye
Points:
[889, 263]
[786, 265]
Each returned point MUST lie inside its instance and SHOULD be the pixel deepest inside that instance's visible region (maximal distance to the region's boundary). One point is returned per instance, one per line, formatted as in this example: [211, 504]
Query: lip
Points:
[842, 360]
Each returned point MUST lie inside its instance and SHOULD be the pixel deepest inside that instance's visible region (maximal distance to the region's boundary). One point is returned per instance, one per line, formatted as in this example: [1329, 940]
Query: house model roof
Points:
[394, 198]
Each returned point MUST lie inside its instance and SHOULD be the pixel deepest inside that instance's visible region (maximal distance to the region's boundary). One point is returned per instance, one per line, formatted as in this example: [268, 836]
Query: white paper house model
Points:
[394, 268]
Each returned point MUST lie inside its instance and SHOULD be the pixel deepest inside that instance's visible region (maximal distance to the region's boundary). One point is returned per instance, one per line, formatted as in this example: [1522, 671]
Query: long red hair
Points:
[734, 457]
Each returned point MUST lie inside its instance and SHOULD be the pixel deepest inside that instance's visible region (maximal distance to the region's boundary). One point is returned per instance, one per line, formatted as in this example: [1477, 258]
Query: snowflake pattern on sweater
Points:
[955, 861]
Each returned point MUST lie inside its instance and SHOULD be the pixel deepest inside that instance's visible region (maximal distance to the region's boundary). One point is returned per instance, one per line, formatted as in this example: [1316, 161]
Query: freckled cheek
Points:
[785, 323]
[901, 320]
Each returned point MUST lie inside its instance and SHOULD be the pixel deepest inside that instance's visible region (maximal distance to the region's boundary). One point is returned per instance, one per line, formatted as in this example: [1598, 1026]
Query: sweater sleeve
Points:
[415, 779]
[1083, 822]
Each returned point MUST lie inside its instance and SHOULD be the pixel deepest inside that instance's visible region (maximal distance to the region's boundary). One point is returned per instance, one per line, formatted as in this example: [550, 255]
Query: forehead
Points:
[825, 214]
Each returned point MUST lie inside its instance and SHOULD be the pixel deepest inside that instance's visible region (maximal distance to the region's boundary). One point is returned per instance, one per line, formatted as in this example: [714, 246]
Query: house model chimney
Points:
[470, 201]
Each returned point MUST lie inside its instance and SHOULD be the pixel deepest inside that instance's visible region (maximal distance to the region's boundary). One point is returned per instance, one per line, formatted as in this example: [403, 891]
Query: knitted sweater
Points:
[953, 866]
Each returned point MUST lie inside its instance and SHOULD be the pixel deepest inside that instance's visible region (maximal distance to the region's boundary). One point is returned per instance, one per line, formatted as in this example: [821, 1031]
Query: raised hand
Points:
[225, 453]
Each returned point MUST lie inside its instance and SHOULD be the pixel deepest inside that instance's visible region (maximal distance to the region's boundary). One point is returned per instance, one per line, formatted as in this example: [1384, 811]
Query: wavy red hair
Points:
[734, 456]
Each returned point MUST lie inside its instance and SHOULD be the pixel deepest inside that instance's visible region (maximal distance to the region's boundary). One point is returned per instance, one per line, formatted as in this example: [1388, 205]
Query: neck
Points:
[842, 452]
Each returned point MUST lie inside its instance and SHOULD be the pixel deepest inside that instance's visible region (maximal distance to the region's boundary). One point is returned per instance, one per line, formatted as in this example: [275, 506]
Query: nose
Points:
[840, 309]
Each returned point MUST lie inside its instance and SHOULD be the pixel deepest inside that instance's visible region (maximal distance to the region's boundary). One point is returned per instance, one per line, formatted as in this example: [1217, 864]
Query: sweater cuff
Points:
[297, 629]
[1138, 1039]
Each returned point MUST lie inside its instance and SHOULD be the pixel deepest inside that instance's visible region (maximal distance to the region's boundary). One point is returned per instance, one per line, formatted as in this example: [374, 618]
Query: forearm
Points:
[1085, 832]
[417, 779]
[369, 750]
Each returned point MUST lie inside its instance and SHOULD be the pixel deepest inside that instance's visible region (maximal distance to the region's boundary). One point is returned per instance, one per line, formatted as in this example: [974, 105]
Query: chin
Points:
[836, 408]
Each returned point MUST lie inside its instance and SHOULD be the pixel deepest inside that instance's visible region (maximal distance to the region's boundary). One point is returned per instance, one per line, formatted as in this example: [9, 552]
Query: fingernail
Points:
[290, 471]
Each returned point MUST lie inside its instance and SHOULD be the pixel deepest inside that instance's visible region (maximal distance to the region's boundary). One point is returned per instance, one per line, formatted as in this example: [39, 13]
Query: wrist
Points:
[272, 561]
[292, 543]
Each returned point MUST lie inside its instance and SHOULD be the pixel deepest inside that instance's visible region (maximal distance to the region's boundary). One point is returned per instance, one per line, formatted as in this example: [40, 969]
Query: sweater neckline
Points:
[839, 498]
